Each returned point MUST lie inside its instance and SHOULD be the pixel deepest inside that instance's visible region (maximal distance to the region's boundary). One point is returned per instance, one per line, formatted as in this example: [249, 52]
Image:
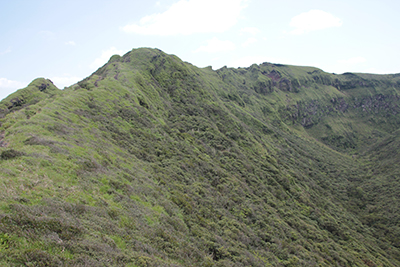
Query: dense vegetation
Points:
[151, 161]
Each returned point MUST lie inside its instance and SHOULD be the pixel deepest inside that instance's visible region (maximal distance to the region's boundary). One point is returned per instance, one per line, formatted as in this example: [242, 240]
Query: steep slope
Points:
[378, 197]
[151, 161]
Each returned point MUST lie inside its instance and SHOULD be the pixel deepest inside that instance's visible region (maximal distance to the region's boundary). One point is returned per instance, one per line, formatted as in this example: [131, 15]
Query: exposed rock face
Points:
[310, 113]
[42, 87]
[15, 102]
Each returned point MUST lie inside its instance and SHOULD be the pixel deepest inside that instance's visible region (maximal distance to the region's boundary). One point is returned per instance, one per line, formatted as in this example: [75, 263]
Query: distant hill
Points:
[151, 161]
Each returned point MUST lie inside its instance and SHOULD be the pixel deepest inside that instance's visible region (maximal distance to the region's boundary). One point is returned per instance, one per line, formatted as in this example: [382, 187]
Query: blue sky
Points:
[66, 41]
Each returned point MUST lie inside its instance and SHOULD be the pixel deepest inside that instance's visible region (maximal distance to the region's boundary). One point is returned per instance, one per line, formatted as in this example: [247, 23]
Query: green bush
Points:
[10, 154]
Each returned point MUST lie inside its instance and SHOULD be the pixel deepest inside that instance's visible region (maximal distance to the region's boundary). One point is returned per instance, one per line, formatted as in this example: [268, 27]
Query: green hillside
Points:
[152, 161]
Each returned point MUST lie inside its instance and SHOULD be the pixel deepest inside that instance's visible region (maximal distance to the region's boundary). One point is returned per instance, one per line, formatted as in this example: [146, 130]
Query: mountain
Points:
[151, 161]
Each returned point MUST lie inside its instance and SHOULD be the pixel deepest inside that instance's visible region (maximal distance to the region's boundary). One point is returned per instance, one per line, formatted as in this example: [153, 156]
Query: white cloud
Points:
[65, 80]
[249, 41]
[105, 56]
[251, 30]
[6, 83]
[352, 61]
[70, 43]
[314, 20]
[190, 16]
[215, 45]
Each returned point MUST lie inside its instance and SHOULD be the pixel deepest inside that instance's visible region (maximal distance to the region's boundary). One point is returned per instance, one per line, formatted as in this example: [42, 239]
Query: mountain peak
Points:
[37, 90]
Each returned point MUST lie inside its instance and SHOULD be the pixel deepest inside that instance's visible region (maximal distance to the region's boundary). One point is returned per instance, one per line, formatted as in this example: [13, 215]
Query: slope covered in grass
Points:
[151, 161]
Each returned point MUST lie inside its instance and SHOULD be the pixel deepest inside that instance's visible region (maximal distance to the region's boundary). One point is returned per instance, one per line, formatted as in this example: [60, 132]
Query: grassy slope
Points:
[151, 161]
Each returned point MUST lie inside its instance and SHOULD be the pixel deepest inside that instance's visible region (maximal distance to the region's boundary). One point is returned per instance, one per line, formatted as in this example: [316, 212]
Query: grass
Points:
[151, 161]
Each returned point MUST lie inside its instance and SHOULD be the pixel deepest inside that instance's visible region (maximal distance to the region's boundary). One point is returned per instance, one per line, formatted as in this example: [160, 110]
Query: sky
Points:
[66, 41]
